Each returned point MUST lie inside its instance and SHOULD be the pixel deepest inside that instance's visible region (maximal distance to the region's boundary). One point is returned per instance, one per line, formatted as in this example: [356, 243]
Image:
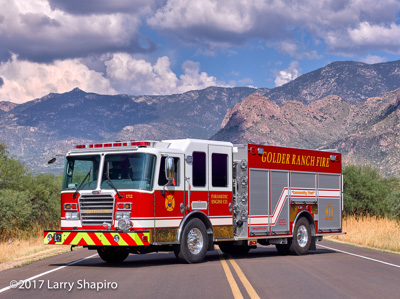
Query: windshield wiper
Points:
[81, 184]
[110, 182]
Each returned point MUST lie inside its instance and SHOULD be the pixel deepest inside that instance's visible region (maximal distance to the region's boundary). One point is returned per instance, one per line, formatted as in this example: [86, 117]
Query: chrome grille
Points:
[96, 209]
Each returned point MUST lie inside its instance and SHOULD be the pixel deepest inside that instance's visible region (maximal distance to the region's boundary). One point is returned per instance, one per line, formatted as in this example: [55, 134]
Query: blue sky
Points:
[172, 46]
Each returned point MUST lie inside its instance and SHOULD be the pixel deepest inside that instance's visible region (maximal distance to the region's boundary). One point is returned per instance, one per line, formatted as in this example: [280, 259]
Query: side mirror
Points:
[70, 168]
[169, 168]
[51, 161]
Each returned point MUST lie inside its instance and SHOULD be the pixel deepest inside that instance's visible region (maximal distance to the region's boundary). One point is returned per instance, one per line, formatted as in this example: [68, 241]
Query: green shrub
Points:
[27, 202]
[367, 192]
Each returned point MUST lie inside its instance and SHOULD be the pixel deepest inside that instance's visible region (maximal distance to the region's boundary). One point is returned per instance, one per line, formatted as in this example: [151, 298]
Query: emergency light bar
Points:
[114, 144]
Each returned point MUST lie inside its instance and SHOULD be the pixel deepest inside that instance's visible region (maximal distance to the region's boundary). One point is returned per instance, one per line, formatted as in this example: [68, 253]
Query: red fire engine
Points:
[187, 195]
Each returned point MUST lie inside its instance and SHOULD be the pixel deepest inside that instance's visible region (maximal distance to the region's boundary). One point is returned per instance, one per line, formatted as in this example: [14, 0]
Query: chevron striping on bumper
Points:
[97, 238]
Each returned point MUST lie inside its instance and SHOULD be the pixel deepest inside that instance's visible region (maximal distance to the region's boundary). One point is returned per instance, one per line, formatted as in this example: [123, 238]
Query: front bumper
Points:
[96, 238]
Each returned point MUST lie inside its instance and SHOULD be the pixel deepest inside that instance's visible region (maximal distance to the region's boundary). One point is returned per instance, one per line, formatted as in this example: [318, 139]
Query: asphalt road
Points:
[325, 273]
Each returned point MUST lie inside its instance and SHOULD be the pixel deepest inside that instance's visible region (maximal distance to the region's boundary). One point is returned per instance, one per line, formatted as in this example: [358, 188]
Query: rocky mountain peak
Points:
[251, 110]
[7, 106]
[353, 81]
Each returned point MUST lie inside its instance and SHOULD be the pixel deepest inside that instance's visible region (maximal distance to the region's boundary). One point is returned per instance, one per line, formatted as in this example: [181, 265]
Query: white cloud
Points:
[372, 59]
[35, 31]
[45, 30]
[194, 79]
[364, 37]
[287, 75]
[376, 35]
[91, 7]
[222, 15]
[222, 23]
[24, 80]
[137, 76]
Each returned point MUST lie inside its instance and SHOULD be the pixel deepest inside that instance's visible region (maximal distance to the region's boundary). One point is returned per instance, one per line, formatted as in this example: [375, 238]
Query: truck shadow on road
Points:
[168, 258]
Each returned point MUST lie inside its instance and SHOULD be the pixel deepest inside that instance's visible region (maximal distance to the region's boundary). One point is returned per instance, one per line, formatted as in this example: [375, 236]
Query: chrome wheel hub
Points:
[195, 241]
[302, 236]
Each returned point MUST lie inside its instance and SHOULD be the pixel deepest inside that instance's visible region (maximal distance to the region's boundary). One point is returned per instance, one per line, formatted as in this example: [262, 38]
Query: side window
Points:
[219, 170]
[199, 169]
[161, 178]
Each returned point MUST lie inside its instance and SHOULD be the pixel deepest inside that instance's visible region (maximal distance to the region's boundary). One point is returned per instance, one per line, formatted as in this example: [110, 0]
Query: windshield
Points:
[129, 171]
[78, 168]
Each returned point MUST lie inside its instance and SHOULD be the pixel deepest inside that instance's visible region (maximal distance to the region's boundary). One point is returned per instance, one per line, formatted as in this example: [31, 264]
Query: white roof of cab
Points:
[184, 144]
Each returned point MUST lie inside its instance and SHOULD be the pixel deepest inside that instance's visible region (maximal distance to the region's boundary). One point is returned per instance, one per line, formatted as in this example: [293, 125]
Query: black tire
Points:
[194, 242]
[229, 248]
[301, 241]
[283, 249]
[112, 255]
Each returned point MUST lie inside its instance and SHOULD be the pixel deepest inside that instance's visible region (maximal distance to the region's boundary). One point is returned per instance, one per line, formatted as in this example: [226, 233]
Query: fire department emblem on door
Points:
[170, 203]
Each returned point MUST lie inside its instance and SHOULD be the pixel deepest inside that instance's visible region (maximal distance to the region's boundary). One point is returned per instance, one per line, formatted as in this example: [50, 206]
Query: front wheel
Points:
[301, 237]
[194, 242]
[112, 255]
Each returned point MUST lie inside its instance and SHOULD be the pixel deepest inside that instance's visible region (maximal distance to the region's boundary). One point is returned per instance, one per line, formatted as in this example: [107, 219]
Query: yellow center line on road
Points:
[232, 283]
[249, 288]
[231, 280]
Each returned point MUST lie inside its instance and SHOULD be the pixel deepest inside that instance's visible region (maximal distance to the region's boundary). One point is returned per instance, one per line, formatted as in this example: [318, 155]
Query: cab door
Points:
[220, 190]
[196, 167]
[169, 200]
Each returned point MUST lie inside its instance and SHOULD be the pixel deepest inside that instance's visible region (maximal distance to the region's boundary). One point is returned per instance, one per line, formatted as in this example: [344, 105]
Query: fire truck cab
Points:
[187, 195]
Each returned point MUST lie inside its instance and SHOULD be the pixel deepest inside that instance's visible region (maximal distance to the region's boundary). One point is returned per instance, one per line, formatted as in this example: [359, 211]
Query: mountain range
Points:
[365, 133]
[350, 106]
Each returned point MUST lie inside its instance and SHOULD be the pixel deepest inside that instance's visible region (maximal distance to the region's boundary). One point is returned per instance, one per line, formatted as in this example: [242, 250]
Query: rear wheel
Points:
[194, 242]
[112, 255]
[301, 237]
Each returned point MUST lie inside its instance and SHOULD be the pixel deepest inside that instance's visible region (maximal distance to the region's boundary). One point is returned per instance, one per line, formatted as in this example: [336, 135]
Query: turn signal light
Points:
[70, 206]
[124, 206]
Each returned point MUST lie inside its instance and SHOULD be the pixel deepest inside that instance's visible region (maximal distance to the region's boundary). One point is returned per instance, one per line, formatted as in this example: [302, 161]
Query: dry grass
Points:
[380, 233]
[20, 251]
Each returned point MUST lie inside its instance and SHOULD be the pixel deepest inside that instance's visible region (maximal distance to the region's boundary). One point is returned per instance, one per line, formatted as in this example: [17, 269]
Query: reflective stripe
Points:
[103, 239]
[98, 238]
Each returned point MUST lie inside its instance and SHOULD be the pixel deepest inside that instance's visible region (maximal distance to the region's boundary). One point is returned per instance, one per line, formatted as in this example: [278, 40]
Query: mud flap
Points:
[313, 245]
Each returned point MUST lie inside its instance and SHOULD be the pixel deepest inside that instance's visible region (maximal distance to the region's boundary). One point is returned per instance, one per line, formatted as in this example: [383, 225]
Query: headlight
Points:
[72, 215]
[121, 215]
[124, 224]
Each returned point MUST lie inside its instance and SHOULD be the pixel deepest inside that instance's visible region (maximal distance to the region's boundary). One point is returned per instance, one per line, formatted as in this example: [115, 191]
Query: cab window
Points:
[128, 171]
[219, 170]
[199, 169]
